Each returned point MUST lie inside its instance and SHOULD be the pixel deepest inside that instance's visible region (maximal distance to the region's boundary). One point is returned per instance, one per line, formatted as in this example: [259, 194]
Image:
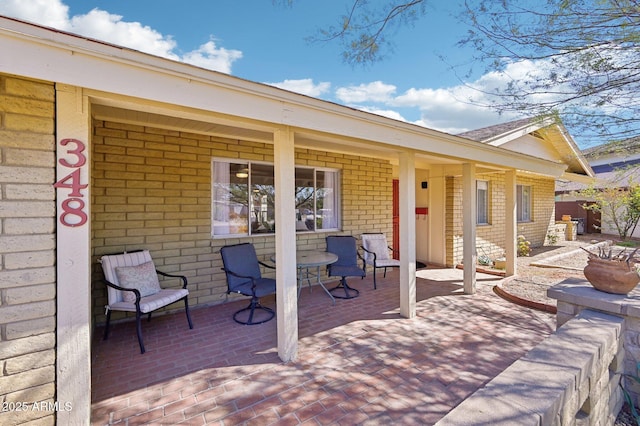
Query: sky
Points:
[268, 42]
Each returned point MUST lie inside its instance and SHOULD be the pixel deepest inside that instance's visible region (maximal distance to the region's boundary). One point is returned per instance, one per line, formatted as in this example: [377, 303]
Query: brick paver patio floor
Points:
[358, 362]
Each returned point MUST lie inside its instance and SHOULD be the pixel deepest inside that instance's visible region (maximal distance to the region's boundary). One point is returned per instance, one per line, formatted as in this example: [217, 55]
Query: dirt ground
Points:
[549, 265]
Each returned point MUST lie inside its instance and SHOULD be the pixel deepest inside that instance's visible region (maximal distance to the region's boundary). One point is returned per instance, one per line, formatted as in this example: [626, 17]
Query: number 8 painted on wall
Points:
[73, 206]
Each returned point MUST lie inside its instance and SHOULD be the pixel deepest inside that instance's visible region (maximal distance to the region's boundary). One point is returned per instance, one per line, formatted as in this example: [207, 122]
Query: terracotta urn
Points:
[611, 275]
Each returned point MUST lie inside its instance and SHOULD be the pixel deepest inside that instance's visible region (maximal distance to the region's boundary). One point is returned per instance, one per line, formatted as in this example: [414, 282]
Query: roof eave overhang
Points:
[574, 177]
[51, 55]
[547, 122]
[512, 134]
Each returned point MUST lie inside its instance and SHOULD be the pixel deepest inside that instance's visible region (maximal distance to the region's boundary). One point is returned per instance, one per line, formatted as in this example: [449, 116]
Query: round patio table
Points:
[307, 259]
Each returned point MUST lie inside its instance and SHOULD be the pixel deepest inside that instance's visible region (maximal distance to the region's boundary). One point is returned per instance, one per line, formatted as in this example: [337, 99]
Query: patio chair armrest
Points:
[392, 249]
[253, 280]
[370, 252]
[134, 290]
[238, 275]
[266, 265]
[182, 277]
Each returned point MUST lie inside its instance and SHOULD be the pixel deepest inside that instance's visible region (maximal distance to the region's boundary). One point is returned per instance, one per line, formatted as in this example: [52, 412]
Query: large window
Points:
[482, 199]
[243, 199]
[317, 202]
[523, 197]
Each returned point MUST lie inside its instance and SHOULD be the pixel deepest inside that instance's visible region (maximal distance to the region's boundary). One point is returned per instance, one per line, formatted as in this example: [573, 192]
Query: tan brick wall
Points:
[151, 188]
[27, 248]
[544, 209]
[490, 239]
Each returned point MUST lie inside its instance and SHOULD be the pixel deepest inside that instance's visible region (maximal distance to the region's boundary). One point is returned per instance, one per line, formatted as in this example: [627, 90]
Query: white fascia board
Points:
[46, 54]
[516, 133]
[573, 177]
[575, 150]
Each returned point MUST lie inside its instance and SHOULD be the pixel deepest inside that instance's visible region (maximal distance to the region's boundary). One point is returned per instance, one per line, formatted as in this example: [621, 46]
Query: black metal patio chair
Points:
[345, 247]
[242, 269]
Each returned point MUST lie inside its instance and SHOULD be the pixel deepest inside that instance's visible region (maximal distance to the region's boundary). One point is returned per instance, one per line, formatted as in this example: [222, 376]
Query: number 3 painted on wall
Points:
[73, 207]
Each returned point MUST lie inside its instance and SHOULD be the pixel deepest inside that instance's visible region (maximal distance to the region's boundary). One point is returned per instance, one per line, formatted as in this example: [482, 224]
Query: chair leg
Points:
[186, 309]
[139, 330]
[375, 284]
[385, 272]
[253, 305]
[349, 292]
[106, 327]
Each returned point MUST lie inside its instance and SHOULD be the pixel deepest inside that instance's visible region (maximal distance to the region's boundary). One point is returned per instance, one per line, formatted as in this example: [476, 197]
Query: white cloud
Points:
[108, 27]
[389, 113]
[375, 91]
[212, 57]
[453, 110]
[304, 86]
[51, 13]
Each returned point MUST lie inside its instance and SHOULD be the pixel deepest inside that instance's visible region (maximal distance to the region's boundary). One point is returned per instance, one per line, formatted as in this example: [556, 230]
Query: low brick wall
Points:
[567, 379]
[575, 295]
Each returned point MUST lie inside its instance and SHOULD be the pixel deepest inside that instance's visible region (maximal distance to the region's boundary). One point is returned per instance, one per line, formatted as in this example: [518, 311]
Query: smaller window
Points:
[482, 199]
[523, 195]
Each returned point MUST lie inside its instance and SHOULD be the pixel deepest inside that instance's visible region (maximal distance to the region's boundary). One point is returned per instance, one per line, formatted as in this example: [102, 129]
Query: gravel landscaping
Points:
[549, 265]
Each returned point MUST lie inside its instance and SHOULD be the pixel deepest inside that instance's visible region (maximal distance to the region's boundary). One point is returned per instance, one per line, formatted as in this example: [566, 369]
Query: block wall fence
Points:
[151, 189]
[571, 378]
[27, 250]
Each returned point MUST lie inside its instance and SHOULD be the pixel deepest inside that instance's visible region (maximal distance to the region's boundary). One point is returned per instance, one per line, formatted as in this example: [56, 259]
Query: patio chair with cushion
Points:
[242, 268]
[133, 286]
[345, 247]
[377, 253]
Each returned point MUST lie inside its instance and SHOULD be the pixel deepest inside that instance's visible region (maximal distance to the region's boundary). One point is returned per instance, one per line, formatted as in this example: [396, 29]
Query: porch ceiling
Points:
[212, 125]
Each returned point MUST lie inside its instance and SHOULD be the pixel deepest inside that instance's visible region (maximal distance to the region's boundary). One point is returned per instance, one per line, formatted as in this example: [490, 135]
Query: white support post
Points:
[286, 284]
[73, 242]
[510, 232]
[407, 199]
[437, 216]
[469, 215]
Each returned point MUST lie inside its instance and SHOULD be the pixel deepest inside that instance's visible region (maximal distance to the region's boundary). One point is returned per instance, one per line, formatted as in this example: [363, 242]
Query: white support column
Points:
[510, 223]
[407, 199]
[286, 284]
[437, 216]
[73, 246]
[469, 215]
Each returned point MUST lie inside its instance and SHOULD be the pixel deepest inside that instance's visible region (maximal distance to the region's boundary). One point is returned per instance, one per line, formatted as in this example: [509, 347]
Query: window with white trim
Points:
[523, 201]
[482, 200]
[243, 198]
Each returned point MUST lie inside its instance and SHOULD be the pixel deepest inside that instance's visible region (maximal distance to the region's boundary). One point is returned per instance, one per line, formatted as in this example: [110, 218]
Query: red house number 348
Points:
[73, 213]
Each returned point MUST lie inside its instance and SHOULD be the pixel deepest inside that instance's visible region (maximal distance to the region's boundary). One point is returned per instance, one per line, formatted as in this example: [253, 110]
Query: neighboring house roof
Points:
[542, 137]
[614, 163]
[620, 149]
[618, 178]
